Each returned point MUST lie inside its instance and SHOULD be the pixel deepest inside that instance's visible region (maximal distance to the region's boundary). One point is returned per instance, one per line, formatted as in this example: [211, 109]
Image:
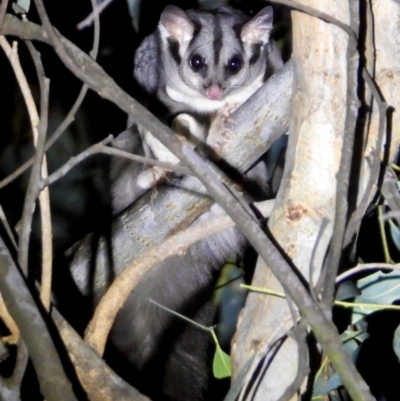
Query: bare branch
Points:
[96, 34]
[100, 325]
[54, 385]
[44, 196]
[39, 134]
[7, 227]
[97, 10]
[102, 383]
[335, 254]
[358, 214]
[3, 10]
[364, 267]
[101, 147]
[31, 194]
[7, 319]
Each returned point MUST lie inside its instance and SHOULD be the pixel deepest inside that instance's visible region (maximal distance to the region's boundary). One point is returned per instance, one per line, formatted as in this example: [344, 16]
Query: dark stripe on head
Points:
[173, 47]
[237, 29]
[255, 53]
[196, 31]
[268, 71]
[217, 42]
[270, 66]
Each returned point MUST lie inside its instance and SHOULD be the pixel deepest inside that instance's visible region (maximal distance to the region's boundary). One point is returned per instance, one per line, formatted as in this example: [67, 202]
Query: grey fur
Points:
[195, 33]
[171, 357]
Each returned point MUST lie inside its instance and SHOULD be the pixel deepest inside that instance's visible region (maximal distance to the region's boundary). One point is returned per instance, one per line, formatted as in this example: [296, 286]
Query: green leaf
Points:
[222, 364]
[379, 289]
[24, 4]
[359, 335]
[395, 234]
[134, 11]
[396, 342]
[333, 383]
[347, 290]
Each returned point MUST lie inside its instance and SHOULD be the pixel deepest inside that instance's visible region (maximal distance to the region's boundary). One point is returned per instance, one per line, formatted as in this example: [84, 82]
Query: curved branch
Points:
[102, 383]
[104, 316]
[44, 195]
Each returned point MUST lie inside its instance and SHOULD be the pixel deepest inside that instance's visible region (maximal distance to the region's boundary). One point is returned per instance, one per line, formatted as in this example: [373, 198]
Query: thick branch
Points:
[54, 385]
[99, 327]
[335, 255]
[102, 383]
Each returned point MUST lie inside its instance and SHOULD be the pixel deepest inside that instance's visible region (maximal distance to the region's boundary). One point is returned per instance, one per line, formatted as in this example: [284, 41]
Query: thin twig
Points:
[32, 190]
[101, 147]
[20, 365]
[385, 245]
[96, 34]
[180, 316]
[145, 160]
[335, 254]
[7, 227]
[391, 215]
[7, 319]
[94, 14]
[358, 214]
[363, 268]
[44, 195]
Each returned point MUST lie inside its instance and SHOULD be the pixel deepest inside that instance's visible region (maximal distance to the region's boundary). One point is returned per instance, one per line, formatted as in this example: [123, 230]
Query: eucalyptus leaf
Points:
[395, 234]
[377, 289]
[359, 335]
[346, 290]
[396, 342]
[222, 364]
[351, 346]
[333, 383]
[24, 4]
[134, 12]
[21, 6]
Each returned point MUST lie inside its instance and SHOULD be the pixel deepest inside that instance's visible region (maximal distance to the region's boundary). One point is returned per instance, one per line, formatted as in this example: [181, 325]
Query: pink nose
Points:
[214, 92]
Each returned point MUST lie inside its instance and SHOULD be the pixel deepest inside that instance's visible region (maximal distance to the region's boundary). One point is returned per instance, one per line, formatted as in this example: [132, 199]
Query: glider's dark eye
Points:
[197, 62]
[234, 64]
